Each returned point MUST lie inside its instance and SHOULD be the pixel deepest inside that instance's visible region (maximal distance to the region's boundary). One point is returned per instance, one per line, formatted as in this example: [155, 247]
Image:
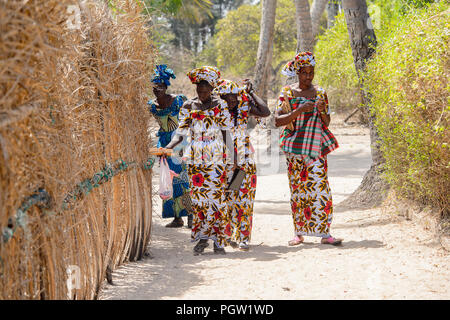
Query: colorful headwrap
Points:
[207, 73]
[302, 59]
[227, 86]
[162, 74]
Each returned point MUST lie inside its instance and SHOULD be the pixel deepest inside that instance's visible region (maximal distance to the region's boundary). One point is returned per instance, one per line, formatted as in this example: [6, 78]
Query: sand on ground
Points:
[384, 256]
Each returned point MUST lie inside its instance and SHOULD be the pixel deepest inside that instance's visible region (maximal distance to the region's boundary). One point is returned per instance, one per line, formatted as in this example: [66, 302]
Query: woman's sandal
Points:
[200, 247]
[331, 240]
[296, 241]
[243, 246]
[234, 244]
[218, 250]
[176, 223]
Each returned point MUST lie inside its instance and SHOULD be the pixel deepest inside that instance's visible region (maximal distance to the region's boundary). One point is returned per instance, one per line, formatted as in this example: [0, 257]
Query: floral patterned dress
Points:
[206, 156]
[180, 204]
[241, 202]
[311, 201]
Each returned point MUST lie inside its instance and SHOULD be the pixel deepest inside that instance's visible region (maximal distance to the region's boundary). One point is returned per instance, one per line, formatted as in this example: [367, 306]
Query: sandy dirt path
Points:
[383, 256]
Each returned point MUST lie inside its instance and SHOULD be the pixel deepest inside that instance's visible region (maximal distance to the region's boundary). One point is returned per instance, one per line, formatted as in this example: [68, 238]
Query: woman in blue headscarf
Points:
[165, 108]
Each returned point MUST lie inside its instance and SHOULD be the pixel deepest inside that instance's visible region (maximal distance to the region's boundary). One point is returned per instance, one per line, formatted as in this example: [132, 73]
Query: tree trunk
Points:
[362, 38]
[363, 43]
[332, 12]
[305, 39]
[317, 9]
[265, 47]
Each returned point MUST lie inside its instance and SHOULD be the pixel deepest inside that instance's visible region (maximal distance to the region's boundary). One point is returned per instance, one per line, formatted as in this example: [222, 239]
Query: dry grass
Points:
[72, 101]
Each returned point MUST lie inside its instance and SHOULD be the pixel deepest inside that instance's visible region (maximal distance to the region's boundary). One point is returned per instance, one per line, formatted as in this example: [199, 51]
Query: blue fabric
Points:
[162, 74]
[175, 167]
[164, 138]
[177, 190]
[168, 211]
[180, 184]
[173, 110]
[183, 213]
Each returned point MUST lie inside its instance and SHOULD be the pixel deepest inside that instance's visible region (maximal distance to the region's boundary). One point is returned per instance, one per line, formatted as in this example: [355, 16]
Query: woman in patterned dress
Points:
[205, 122]
[166, 108]
[306, 148]
[242, 103]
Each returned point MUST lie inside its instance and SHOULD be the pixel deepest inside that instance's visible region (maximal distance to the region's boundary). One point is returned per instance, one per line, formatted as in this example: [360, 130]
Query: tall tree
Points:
[317, 9]
[265, 47]
[363, 43]
[362, 35]
[195, 21]
[305, 39]
[332, 12]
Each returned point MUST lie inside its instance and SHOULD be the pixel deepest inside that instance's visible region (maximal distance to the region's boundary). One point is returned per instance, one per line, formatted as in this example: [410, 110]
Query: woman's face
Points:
[306, 76]
[204, 92]
[231, 99]
[159, 89]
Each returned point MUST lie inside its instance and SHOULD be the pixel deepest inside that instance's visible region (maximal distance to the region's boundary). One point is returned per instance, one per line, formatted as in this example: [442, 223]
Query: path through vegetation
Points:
[383, 256]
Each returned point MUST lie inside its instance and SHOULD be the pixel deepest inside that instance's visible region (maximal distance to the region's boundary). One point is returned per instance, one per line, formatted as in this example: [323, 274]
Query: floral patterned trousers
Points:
[210, 212]
[311, 202]
[240, 205]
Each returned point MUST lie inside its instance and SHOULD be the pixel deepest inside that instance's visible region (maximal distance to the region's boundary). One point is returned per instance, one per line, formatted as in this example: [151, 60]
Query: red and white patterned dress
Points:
[206, 157]
[311, 200]
[241, 202]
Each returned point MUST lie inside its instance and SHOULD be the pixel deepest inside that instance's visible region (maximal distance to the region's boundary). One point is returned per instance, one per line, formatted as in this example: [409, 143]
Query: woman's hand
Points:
[176, 139]
[321, 105]
[168, 152]
[306, 107]
[248, 85]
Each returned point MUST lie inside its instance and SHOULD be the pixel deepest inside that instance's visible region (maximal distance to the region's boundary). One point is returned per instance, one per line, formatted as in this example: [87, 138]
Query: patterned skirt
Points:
[180, 204]
[211, 219]
[311, 202]
[240, 205]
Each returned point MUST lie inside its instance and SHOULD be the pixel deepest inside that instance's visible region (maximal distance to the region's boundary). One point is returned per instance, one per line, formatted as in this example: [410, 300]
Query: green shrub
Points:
[335, 70]
[335, 67]
[236, 40]
[235, 45]
[408, 83]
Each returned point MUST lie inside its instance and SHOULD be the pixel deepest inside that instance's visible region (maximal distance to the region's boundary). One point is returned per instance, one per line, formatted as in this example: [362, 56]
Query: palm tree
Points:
[305, 39]
[363, 43]
[194, 21]
[188, 9]
[332, 12]
[362, 36]
[265, 47]
[317, 9]
[194, 11]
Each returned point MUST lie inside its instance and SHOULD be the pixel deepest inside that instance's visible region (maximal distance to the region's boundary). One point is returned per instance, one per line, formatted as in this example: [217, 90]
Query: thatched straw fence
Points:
[75, 190]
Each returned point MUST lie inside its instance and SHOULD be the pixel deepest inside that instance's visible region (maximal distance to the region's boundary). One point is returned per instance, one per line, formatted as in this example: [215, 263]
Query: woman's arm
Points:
[259, 108]
[321, 107]
[284, 119]
[176, 140]
[325, 118]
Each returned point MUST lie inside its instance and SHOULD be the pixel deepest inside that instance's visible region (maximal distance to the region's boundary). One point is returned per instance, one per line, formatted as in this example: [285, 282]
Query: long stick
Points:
[351, 115]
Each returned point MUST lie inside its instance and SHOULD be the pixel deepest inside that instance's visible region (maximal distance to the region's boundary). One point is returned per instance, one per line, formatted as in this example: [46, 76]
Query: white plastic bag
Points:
[165, 180]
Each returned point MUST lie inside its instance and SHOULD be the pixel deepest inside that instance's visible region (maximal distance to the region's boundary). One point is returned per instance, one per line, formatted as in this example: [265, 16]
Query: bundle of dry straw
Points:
[73, 83]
